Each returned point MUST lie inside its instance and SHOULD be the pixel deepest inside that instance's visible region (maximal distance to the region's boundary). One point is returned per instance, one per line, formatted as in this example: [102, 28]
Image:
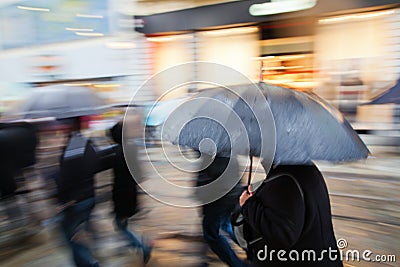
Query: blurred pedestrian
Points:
[8, 187]
[290, 212]
[18, 143]
[76, 193]
[124, 193]
[216, 215]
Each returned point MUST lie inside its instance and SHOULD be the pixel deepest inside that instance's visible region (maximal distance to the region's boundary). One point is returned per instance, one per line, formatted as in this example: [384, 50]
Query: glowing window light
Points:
[41, 9]
[231, 31]
[89, 34]
[356, 16]
[159, 39]
[280, 6]
[89, 16]
[79, 29]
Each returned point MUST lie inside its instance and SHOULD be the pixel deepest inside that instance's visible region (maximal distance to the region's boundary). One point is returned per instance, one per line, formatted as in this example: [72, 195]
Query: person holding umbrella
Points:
[289, 212]
[79, 160]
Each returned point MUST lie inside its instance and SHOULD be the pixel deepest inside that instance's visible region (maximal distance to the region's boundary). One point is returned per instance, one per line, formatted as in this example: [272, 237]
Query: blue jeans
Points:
[134, 240]
[216, 217]
[72, 218]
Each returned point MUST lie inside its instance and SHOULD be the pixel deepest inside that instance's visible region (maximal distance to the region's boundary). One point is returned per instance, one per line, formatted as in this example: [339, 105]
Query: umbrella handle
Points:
[249, 177]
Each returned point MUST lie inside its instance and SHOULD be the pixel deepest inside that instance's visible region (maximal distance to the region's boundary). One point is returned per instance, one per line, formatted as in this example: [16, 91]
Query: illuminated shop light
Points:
[159, 39]
[41, 9]
[231, 31]
[356, 17]
[89, 16]
[78, 29]
[169, 38]
[286, 57]
[90, 34]
[280, 6]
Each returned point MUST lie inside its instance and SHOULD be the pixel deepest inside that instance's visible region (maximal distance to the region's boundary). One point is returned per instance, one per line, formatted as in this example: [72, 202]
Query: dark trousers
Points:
[216, 217]
[134, 240]
[72, 218]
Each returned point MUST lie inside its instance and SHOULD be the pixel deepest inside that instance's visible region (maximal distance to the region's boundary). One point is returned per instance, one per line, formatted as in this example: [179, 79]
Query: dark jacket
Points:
[8, 185]
[17, 150]
[18, 143]
[287, 221]
[124, 193]
[77, 169]
[218, 169]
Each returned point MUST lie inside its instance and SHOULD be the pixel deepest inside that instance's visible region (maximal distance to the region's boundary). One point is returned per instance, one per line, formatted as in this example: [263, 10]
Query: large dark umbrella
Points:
[304, 127]
[61, 102]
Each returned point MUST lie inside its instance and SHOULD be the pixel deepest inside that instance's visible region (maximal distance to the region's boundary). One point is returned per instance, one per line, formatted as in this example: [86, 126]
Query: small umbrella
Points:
[156, 114]
[306, 128]
[61, 102]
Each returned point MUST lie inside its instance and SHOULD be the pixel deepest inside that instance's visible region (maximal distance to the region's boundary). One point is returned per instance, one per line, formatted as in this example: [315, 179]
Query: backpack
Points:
[78, 163]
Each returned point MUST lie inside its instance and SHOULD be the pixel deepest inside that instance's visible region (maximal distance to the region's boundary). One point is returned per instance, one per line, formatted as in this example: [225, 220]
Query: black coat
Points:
[75, 181]
[8, 185]
[287, 221]
[124, 193]
[18, 143]
[17, 150]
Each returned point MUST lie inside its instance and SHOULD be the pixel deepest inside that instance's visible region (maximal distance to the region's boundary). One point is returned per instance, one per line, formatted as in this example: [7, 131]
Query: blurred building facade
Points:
[344, 51]
[347, 51]
[86, 43]
[80, 42]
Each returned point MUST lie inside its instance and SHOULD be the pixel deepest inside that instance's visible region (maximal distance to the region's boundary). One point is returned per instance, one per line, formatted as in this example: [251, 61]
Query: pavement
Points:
[364, 198]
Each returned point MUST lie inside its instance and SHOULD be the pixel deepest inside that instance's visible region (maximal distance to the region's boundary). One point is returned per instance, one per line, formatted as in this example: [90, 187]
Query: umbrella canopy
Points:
[223, 121]
[60, 102]
[306, 128]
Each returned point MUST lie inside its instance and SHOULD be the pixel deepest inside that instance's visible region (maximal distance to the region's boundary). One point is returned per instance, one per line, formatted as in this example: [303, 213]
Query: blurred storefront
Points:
[234, 47]
[357, 56]
[345, 51]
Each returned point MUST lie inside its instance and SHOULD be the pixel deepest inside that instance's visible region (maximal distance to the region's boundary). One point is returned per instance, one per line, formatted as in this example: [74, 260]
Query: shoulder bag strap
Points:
[291, 177]
[274, 177]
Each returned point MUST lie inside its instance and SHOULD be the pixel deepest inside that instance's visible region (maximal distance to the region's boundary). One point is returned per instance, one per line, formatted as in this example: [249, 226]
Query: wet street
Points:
[364, 198]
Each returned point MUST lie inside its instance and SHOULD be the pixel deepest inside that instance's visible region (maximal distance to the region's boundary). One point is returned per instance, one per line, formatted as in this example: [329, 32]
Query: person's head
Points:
[116, 132]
